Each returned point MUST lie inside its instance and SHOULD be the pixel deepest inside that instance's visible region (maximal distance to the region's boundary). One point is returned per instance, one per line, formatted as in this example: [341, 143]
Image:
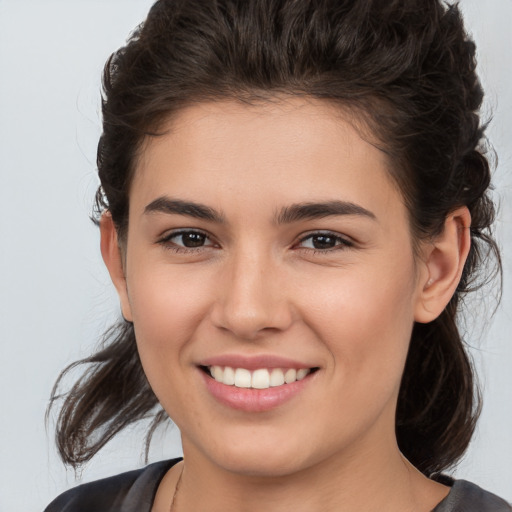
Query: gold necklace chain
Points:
[176, 489]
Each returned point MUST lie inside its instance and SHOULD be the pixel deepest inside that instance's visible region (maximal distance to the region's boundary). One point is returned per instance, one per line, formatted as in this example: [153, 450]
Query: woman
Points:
[293, 202]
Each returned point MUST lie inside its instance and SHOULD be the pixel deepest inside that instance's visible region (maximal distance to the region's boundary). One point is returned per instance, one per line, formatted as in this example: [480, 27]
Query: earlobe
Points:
[444, 260]
[111, 253]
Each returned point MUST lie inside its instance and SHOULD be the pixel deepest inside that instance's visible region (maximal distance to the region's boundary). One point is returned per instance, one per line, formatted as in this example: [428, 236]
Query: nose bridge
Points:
[251, 298]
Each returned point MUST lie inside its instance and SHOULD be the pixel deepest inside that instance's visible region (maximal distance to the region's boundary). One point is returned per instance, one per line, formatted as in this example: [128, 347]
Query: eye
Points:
[324, 242]
[185, 240]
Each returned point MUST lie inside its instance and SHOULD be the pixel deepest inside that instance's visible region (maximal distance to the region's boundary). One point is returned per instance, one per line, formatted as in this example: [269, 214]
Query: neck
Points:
[382, 480]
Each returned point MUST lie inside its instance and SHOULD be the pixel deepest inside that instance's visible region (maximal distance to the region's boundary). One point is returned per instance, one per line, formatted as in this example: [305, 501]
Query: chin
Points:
[261, 455]
[262, 465]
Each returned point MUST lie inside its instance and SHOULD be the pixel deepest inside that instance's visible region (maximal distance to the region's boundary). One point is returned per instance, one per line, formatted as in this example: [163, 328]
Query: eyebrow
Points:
[310, 211]
[188, 208]
[287, 215]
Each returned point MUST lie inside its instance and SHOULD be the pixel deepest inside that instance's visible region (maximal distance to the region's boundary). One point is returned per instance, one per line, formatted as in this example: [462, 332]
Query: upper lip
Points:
[254, 362]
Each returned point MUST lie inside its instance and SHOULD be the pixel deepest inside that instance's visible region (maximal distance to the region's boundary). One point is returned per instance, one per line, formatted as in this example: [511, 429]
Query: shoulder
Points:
[133, 490]
[467, 497]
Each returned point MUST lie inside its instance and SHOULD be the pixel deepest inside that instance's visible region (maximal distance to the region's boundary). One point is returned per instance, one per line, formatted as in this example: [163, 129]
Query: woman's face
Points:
[270, 238]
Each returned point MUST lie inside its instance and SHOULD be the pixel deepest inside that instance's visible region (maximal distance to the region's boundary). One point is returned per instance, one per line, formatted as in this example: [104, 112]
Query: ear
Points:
[443, 262]
[113, 258]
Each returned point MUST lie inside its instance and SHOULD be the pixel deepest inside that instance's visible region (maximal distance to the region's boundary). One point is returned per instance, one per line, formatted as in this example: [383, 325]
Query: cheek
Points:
[166, 312]
[163, 294]
[167, 306]
[365, 319]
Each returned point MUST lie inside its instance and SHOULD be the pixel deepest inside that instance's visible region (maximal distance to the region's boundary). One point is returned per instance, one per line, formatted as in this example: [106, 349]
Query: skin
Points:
[259, 287]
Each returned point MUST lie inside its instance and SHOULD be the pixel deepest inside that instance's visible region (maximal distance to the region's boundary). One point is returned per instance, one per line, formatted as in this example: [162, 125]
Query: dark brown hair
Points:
[407, 69]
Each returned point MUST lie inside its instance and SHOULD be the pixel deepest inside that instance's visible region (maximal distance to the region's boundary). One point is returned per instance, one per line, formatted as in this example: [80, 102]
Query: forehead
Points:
[227, 150]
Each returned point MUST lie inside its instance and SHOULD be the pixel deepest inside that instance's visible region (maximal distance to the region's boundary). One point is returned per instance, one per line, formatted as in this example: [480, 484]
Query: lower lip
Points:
[255, 400]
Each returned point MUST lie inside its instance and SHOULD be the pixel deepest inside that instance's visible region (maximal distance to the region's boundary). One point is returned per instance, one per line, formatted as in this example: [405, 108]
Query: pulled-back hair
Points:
[406, 69]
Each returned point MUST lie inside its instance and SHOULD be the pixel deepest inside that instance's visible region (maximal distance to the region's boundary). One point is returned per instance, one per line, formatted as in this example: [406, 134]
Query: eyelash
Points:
[167, 244]
[341, 242]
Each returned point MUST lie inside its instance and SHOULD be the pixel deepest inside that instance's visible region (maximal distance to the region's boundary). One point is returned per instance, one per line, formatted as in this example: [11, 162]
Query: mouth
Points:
[261, 378]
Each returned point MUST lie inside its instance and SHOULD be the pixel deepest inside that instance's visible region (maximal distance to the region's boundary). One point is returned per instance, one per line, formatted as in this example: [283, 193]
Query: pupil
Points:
[324, 242]
[193, 239]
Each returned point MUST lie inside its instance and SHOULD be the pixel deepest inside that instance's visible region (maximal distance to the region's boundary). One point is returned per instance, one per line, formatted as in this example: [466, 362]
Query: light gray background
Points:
[55, 297]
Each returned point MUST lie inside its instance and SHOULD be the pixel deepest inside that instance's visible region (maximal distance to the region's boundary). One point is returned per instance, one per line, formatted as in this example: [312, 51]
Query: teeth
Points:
[218, 373]
[276, 377]
[258, 379]
[229, 376]
[290, 376]
[302, 373]
[242, 378]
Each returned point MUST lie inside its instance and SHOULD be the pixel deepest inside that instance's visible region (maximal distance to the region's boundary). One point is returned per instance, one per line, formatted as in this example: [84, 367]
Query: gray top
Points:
[467, 497]
[135, 492]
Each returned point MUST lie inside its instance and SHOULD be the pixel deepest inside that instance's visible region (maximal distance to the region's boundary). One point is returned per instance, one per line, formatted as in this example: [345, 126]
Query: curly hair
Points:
[406, 68]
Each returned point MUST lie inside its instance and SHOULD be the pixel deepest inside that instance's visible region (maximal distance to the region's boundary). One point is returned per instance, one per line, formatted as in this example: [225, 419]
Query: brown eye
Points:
[324, 242]
[192, 239]
[182, 240]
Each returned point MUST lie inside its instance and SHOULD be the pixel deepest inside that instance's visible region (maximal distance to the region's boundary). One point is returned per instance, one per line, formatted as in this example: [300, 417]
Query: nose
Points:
[251, 298]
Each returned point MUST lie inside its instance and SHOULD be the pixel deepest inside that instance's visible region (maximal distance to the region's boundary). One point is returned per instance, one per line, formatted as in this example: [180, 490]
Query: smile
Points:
[257, 389]
[261, 378]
